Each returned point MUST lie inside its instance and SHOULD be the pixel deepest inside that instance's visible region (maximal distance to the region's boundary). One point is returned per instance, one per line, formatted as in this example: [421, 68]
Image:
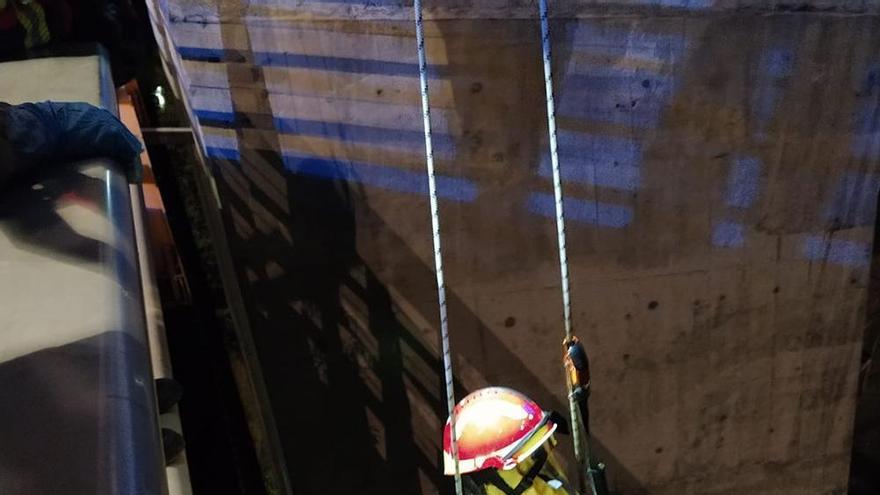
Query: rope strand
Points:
[435, 230]
[581, 450]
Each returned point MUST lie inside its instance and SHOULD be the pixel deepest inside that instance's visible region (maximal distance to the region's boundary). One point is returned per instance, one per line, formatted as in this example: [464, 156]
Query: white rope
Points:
[583, 456]
[435, 228]
[554, 159]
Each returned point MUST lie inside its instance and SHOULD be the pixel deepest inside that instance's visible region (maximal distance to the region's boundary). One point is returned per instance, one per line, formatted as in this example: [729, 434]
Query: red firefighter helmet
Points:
[496, 428]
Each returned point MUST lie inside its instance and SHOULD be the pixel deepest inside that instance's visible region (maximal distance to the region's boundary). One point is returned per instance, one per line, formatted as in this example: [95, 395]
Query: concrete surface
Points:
[721, 176]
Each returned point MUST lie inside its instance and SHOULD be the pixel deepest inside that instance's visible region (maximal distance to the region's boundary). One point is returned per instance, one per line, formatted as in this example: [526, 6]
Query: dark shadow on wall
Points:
[219, 448]
[336, 384]
[349, 380]
[865, 464]
[341, 408]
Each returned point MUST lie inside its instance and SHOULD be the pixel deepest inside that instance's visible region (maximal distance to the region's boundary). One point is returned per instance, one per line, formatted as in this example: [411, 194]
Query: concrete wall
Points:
[720, 166]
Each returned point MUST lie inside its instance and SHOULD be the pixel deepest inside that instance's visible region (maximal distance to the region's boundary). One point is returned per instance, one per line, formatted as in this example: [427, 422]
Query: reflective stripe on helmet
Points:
[32, 18]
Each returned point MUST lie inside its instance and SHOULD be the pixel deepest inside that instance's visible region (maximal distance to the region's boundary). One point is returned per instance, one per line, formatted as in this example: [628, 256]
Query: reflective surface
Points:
[76, 392]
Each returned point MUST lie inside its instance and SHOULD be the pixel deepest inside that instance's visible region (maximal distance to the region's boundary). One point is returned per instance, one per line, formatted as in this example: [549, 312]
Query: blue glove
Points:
[60, 132]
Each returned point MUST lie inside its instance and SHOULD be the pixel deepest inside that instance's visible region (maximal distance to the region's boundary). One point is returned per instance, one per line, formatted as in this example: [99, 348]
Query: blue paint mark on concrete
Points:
[444, 144]
[591, 212]
[314, 62]
[604, 161]
[369, 3]
[222, 146]
[870, 81]
[221, 141]
[597, 89]
[622, 177]
[728, 235]
[866, 132]
[743, 183]
[776, 65]
[345, 64]
[619, 82]
[625, 99]
[854, 200]
[621, 78]
[865, 143]
[211, 99]
[222, 153]
[678, 4]
[837, 251]
[204, 54]
[596, 37]
[214, 116]
[383, 177]
[603, 68]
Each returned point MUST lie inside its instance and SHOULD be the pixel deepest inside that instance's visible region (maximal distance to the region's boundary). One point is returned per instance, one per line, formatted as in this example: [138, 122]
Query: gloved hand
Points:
[52, 132]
